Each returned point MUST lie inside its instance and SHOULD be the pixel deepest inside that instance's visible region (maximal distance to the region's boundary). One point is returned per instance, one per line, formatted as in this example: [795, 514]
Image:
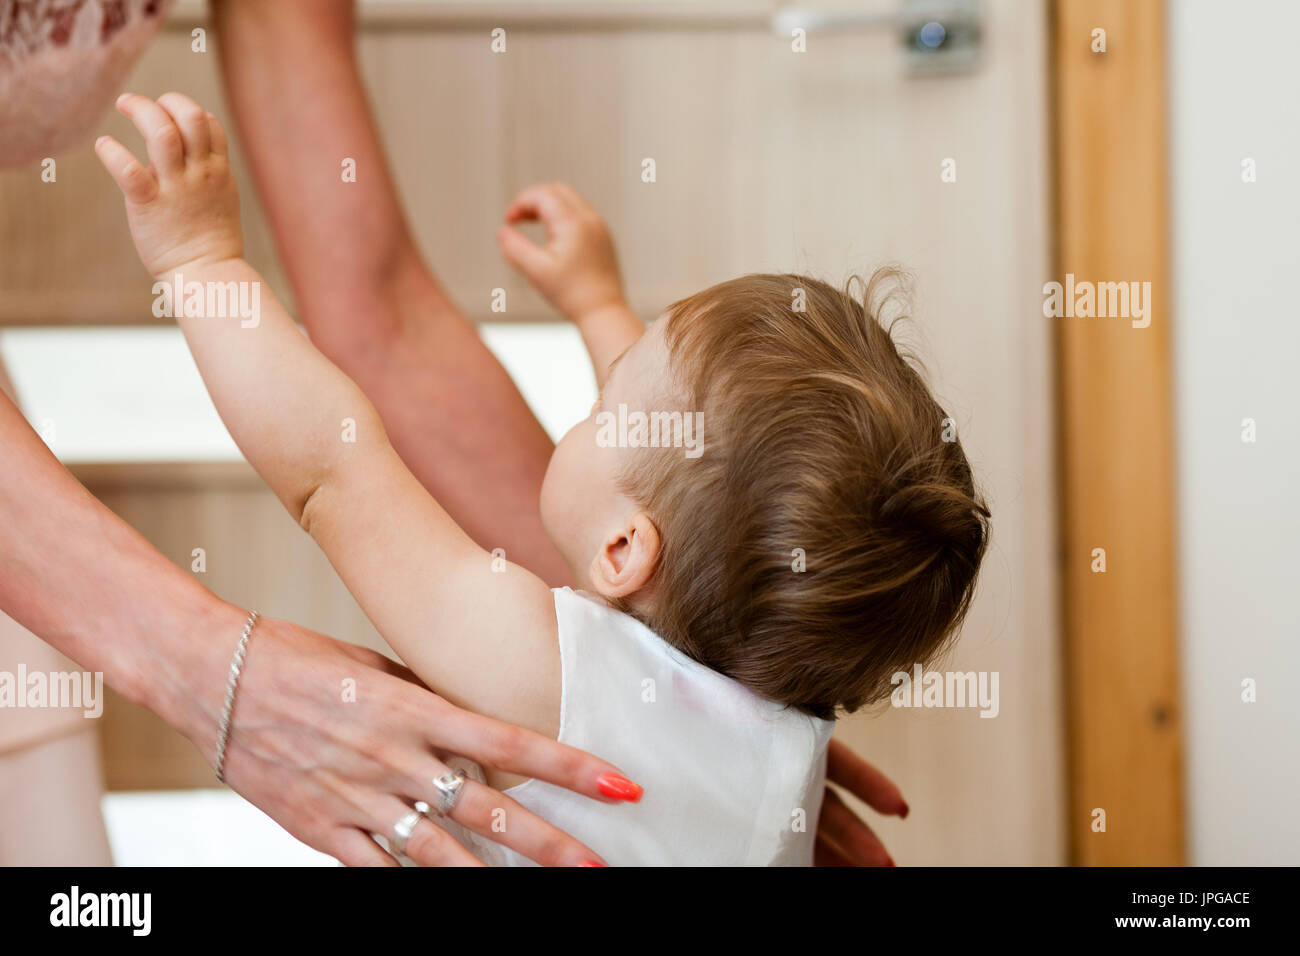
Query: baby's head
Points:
[824, 533]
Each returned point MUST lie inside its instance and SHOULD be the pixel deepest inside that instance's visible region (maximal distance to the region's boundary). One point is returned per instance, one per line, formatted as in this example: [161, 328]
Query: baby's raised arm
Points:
[483, 637]
[576, 270]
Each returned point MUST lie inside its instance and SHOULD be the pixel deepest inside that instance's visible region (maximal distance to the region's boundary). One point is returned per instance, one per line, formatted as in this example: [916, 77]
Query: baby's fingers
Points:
[524, 254]
[539, 203]
[138, 184]
[217, 135]
[161, 137]
[192, 120]
[573, 199]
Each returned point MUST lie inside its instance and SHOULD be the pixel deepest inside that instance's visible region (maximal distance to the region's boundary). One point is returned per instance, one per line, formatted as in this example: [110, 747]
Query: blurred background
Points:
[990, 147]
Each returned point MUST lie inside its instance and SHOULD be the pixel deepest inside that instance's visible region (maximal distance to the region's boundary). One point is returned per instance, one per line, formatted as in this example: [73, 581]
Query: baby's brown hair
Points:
[818, 435]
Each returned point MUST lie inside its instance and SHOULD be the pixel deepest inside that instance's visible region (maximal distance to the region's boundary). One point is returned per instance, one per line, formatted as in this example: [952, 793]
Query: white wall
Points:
[1235, 84]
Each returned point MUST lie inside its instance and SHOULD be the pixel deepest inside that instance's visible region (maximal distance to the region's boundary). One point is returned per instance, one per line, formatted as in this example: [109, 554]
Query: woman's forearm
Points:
[363, 292]
[88, 584]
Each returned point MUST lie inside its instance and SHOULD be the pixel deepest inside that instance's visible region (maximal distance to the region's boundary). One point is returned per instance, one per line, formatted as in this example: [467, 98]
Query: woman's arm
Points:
[329, 772]
[79, 577]
[365, 295]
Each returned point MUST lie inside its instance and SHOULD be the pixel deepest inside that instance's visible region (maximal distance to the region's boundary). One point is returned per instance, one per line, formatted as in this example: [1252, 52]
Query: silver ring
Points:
[402, 831]
[449, 786]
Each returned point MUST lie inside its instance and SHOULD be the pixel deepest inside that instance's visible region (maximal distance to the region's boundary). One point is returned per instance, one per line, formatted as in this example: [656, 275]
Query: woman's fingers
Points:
[431, 845]
[864, 781]
[428, 844]
[354, 848]
[139, 185]
[492, 814]
[852, 838]
[162, 138]
[505, 747]
[192, 120]
[839, 827]
[827, 854]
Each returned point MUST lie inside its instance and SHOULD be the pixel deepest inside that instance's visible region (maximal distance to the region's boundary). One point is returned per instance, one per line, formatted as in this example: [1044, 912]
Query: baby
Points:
[765, 513]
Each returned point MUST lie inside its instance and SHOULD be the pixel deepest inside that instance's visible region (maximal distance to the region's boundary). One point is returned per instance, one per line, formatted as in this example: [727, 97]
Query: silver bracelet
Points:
[232, 684]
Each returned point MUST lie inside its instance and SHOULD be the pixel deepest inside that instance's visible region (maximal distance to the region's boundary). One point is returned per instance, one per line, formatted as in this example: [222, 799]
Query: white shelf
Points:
[133, 394]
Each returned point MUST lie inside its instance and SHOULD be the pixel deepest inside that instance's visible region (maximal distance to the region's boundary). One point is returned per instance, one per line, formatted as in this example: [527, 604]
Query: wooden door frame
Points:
[1116, 428]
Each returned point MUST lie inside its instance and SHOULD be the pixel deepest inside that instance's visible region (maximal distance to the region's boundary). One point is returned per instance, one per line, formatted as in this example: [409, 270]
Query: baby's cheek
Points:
[563, 472]
[554, 503]
[570, 486]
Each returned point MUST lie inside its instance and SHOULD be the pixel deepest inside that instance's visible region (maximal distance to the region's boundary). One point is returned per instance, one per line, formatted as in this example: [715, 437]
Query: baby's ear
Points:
[627, 558]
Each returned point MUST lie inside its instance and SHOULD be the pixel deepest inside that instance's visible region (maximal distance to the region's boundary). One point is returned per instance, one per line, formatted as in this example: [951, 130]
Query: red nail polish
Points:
[618, 788]
[590, 863]
[891, 862]
[902, 814]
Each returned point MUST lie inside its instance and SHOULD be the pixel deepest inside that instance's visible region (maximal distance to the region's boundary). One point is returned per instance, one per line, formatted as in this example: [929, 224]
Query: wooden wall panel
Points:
[1116, 424]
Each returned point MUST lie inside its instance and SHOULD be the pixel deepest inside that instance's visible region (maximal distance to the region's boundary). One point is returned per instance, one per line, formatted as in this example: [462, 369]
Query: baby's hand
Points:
[184, 207]
[577, 269]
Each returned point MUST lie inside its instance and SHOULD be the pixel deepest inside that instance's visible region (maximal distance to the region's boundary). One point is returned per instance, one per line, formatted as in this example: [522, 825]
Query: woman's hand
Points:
[842, 838]
[336, 742]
